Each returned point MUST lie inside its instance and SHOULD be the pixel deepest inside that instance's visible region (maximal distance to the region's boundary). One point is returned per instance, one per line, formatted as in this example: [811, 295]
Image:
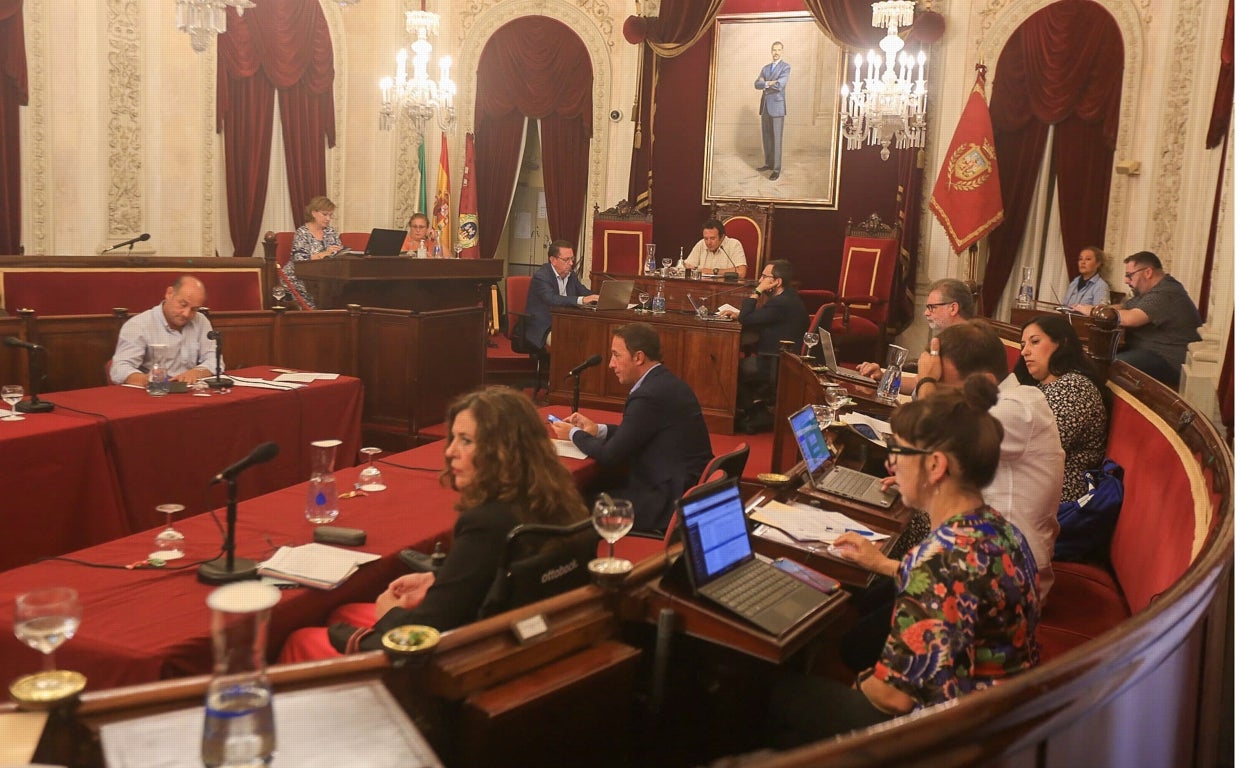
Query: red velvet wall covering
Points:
[811, 239]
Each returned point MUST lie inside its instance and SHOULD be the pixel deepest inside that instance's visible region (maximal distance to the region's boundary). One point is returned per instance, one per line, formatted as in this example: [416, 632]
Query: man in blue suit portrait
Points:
[555, 284]
[773, 81]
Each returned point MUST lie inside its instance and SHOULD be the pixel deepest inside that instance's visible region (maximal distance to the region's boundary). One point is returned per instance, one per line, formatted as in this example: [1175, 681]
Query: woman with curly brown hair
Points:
[501, 461]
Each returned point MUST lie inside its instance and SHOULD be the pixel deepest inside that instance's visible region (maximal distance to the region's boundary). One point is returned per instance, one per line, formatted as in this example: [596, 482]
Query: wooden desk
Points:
[712, 292]
[705, 354]
[417, 284]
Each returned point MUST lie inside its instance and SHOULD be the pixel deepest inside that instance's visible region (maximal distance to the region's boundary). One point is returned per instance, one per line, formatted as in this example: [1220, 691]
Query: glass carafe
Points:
[1024, 297]
[650, 262]
[157, 379]
[889, 385]
[660, 301]
[239, 724]
[322, 502]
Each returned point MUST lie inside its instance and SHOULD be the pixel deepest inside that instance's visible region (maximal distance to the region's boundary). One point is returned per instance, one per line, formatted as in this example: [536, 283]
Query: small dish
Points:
[43, 690]
[409, 639]
[774, 479]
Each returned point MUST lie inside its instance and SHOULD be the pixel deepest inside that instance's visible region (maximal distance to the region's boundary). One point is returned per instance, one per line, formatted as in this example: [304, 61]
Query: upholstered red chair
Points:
[620, 237]
[820, 320]
[278, 247]
[517, 289]
[750, 223]
[867, 274]
[354, 241]
[813, 298]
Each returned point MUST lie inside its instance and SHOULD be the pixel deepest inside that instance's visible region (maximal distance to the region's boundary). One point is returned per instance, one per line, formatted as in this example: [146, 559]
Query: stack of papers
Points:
[568, 449]
[315, 565]
[801, 524]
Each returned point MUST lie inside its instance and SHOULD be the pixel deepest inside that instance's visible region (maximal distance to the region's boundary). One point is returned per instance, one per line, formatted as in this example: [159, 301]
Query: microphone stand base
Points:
[32, 407]
[216, 571]
[218, 382]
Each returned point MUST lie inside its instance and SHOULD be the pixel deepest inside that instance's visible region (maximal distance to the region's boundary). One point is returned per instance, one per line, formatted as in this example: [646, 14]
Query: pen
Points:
[858, 531]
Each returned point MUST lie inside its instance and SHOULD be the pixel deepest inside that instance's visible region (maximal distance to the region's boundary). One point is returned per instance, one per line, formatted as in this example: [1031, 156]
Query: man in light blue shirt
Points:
[174, 323]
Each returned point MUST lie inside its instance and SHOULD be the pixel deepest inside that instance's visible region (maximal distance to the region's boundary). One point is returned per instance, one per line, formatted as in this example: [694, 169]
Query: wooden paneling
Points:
[420, 284]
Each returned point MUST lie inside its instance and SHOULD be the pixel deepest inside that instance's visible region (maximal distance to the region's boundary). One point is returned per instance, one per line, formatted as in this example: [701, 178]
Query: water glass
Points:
[613, 518]
[12, 395]
[157, 379]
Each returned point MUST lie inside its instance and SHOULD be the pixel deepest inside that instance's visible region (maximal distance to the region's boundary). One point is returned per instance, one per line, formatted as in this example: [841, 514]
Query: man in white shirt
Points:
[716, 253]
[174, 323]
[1029, 479]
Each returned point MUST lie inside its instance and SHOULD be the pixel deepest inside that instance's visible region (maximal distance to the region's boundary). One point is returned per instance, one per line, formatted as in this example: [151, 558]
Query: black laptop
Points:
[723, 568]
[385, 243]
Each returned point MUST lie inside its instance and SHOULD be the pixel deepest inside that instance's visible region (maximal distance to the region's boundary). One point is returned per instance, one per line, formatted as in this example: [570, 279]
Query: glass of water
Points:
[45, 618]
[644, 297]
[12, 395]
[370, 479]
[613, 518]
[169, 543]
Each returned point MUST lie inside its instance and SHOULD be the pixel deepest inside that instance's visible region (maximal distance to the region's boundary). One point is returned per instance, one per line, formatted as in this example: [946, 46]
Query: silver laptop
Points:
[828, 361]
[615, 294]
[824, 474]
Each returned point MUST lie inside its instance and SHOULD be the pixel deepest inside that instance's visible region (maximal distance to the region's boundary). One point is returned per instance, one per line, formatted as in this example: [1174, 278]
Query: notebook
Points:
[385, 242]
[824, 474]
[614, 295]
[824, 355]
[722, 567]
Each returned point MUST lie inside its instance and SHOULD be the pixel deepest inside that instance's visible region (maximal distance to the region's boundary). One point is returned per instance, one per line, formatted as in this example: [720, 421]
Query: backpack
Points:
[1086, 524]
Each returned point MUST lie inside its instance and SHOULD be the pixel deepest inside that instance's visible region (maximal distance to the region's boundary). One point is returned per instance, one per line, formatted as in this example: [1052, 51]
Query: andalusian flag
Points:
[467, 224]
[441, 214]
[967, 200]
[421, 176]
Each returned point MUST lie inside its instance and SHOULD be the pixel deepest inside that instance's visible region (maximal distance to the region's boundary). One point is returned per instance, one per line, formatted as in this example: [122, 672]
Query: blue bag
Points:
[1086, 524]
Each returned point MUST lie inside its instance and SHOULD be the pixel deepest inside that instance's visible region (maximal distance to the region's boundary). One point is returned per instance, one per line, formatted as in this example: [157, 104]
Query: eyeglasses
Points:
[1128, 275]
[766, 277]
[895, 450]
[936, 305]
[569, 259]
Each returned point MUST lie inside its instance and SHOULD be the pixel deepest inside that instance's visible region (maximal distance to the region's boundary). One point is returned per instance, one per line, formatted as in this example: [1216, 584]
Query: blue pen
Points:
[859, 532]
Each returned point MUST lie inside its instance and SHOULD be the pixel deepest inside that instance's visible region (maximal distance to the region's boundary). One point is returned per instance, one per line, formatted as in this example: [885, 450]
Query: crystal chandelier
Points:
[891, 107]
[204, 19]
[419, 97]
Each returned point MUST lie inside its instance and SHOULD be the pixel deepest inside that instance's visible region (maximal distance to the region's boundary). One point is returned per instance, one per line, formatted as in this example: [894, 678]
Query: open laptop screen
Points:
[810, 440]
[716, 536]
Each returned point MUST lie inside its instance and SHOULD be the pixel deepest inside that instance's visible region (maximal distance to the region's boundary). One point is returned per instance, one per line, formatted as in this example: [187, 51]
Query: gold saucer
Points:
[42, 690]
[409, 639]
[774, 478]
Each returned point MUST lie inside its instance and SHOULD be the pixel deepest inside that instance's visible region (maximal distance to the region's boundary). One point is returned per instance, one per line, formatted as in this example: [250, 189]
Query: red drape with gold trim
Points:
[284, 47]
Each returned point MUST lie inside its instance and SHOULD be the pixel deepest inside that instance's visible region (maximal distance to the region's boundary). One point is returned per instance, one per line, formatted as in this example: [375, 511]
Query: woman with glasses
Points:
[966, 606]
[314, 240]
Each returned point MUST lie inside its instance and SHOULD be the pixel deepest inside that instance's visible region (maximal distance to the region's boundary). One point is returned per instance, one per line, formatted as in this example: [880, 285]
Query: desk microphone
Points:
[590, 362]
[142, 238]
[228, 568]
[13, 341]
[263, 453]
[219, 380]
[37, 375]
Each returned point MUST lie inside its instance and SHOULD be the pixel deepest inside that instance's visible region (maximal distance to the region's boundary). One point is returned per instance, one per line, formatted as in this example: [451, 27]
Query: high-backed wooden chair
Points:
[867, 274]
[751, 224]
[620, 237]
[278, 246]
[517, 291]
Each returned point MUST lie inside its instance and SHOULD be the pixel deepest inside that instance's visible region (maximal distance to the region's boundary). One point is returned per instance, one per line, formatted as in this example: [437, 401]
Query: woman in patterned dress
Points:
[314, 240]
[967, 596]
[1052, 357]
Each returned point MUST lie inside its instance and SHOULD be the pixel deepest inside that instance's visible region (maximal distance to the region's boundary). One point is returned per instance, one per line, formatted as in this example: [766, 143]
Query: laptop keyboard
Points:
[847, 482]
[851, 375]
[752, 589]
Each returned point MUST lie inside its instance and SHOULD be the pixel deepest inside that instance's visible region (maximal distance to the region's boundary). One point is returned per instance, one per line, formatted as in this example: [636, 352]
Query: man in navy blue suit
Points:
[555, 284]
[773, 81]
[662, 438]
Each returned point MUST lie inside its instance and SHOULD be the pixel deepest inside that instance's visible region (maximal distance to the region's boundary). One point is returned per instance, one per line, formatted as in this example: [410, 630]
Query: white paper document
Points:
[864, 425]
[800, 523]
[726, 308]
[568, 449]
[249, 381]
[315, 565]
[305, 377]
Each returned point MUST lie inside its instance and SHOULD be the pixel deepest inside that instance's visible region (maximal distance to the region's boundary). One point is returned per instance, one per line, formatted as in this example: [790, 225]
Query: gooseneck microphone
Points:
[263, 453]
[590, 362]
[219, 380]
[142, 238]
[37, 375]
[229, 568]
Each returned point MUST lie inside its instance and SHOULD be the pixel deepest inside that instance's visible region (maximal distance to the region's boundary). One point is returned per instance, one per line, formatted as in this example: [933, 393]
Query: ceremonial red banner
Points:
[967, 200]
[467, 222]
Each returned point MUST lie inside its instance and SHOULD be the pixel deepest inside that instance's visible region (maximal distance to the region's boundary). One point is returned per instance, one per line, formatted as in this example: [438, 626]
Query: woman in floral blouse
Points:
[967, 596]
[314, 240]
[1052, 357]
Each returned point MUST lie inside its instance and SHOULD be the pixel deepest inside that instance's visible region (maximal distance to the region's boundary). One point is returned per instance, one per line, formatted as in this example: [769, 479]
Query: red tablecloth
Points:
[145, 625]
[167, 449]
[58, 490]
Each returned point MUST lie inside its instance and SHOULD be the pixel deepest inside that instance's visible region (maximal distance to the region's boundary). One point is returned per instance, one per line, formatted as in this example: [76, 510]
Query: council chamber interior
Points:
[147, 140]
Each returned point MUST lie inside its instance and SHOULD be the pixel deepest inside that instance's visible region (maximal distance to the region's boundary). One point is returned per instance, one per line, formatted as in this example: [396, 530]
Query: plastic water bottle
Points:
[659, 304]
[680, 265]
[157, 382]
[239, 726]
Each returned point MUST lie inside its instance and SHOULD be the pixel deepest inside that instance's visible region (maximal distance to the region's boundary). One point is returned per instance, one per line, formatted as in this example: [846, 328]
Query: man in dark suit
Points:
[662, 438]
[773, 81]
[555, 284]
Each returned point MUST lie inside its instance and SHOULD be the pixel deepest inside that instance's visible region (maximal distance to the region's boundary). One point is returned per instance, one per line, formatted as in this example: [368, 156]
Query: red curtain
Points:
[13, 94]
[533, 67]
[276, 46]
[1062, 67]
[1224, 92]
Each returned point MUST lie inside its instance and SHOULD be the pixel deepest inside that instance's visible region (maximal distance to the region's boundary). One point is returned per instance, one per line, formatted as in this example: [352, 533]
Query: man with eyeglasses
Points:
[948, 302]
[555, 284]
[1159, 321]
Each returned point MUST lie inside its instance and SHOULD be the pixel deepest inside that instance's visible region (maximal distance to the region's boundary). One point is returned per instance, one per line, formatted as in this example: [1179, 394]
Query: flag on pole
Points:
[421, 175]
[966, 199]
[441, 215]
[467, 222]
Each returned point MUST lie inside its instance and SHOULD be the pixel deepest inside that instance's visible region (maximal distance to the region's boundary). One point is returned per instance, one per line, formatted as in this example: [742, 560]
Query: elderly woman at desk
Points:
[420, 242]
[967, 596]
[314, 240]
[499, 459]
[1087, 290]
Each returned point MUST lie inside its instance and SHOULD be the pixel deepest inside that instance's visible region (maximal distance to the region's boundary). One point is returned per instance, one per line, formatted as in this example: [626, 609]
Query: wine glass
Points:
[370, 479]
[278, 292]
[667, 264]
[12, 394]
[613, 518]
[836, 397]
[644, 297]
[169, 543]
[811, 340]
[45, 618]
